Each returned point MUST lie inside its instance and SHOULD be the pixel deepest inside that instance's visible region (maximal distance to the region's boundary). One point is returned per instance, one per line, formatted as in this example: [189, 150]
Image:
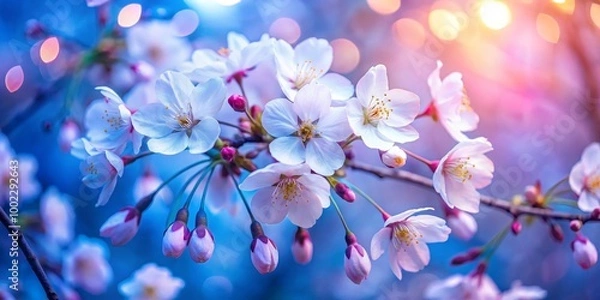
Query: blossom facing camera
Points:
[151, 282]
[450, 105]
[357, 263]
[584, 252]
[393, 158]
[585, 178]
[307, 130]
[184, 118]
[302, 248]
[462, 171]
[85, 265]
[406, 237]
[175, 239]
[122, 226]
[379, 115]
[264, 254]
[202, 244]
[287, 190]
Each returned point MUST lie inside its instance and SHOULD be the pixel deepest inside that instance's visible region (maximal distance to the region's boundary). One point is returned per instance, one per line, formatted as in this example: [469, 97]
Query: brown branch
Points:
[496, 203]
[29, 255]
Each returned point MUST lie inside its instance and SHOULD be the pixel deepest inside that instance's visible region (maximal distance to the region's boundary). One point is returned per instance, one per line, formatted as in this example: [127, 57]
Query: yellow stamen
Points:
[150, 292]
[459, 169]
[406, 235]
[224, 52]
[305, 74]
[593, 183]
[306, 131]
[287, 188]
[378, 109]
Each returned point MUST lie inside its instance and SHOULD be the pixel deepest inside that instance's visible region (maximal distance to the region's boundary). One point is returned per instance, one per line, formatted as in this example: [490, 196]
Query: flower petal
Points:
[279, 118]
[153, 120]
[433, 229]
[401, 135]
[305, 209]
[315, 51]
[106, 192]
[170, 144]
[312, 102]
[334, 125]
[174, 89]
[204, 135]
[380, 242]
[404, 215]
[208, 98]
[266, 209]
[373, 83]
[341, 88]
[414, 257]
[288, 150]
[323, 156]
[405, 107]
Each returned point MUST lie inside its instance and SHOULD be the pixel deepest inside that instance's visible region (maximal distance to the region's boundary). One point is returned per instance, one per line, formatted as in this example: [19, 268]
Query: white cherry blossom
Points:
[184, 118]
[450, 104]
[287, 190]
[85, 265]
[307, 129]
[151, 282]
[156, 43]
[101, 171]
[380, 116]
[462, 171]
[308, 62]
[405, 236]
[585, 178]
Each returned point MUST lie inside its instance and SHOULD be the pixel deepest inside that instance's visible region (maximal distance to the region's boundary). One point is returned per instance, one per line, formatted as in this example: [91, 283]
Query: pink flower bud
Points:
[264, 254]
[584, 251]
[175, 239]
[393, 158]
[557, 232]
[245, 124]
[575, 225]
[302, 248]
[122, 226]
[532, 194]
[345, 192]
[237, 102]
[357, 263]
[228, 153]
[143, 70]
[516, 227]
[595, 213]
[69, 132]
[463, 225]
[255, 111]
[471, 255]
[202, 244]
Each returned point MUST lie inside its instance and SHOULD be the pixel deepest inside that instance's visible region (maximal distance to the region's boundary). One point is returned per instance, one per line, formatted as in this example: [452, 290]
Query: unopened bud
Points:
[255, 111]
[228, 153]
[237, 102]
[595, 213]
[349, 154]
[302, 248]
[471, 255]
[516, 227]
[557, 232]
[575, 225]
[345, 192]
[393, 158]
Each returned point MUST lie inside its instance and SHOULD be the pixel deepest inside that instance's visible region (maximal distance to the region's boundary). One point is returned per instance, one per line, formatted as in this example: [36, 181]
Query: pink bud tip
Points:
[237, 102]
[516, 227]
[434, 165]
[255, 111]
[557, 233]
[595, 213]
[575, 225]
[345, 192]
[228, 153]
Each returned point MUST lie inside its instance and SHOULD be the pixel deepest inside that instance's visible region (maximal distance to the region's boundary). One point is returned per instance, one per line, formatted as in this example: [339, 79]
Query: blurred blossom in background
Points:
[531, 70]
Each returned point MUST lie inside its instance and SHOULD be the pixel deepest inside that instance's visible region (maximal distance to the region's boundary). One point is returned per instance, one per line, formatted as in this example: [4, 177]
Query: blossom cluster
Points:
[308, 133]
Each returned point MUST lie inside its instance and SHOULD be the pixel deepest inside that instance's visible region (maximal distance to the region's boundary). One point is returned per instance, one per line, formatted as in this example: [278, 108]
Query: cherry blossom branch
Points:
[500, 204]
[32, 259]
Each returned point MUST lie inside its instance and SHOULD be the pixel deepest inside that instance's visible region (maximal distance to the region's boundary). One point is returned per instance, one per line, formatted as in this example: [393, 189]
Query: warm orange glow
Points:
[409, 33]
[548, 28]
[49, 49]
[345, 55]
[14, 79]
[444, 24]
[286, 29]
[566, 6]
[595, 14]
[129, 15]
[495, 14]
[185, 22]
[384, 7]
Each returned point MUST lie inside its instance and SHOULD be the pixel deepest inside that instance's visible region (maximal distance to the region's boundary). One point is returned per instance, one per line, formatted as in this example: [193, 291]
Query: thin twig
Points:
[501, 204]
[32, 259]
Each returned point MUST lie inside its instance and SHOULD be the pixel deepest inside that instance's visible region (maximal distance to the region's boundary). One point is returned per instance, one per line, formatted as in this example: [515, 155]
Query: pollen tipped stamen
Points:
[593, 183]
[405, 236]
[305, 73]
[306, 131]
[459, 169]
[378, 109]
[287, 189]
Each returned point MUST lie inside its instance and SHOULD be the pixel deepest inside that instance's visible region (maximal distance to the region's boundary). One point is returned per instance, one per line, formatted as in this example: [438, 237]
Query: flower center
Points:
[287, 188]
[465, 103]
[406, 235]
[149, 292]
[91, 168]
[593, 183]
[305, 74]
[459, 169]
[155, 53]
[306, 131]
[185, 121]
[378, 109]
